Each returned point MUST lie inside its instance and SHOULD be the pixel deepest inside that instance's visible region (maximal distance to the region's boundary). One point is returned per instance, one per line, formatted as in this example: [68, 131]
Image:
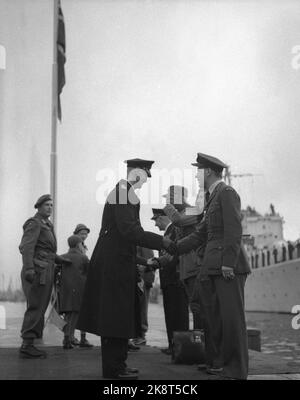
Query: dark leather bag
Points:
[188, 347]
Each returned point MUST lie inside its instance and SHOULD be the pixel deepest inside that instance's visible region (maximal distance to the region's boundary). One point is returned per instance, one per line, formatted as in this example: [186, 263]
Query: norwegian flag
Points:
[61, 57]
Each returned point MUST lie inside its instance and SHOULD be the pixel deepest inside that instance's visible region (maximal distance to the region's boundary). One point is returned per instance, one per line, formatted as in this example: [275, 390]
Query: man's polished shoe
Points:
[139, 341]
[67, 344]
[75, 341]
[132, 370]
[85, 343]
[30, 351]
[203, 367]
[133, 347]
[167, 351]
[214, 370]
[123, 375]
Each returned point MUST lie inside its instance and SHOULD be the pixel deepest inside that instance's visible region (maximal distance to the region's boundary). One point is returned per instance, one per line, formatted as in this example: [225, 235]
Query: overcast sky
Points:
[160, 80]
[166, 79]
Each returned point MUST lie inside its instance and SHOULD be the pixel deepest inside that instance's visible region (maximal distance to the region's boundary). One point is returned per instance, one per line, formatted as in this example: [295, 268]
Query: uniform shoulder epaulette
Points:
[31, 221]
[231, 190]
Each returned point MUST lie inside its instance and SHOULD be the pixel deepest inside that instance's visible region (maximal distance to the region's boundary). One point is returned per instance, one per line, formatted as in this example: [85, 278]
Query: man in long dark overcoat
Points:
[108, 307]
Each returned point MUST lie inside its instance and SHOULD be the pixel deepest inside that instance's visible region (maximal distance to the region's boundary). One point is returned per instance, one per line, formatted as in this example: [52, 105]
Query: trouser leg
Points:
[114, 355]
[74, 319]
[176, 310]
[230, 294]
[195, 306]
[179, 309]
[67, 327]
[144, 301]
[71, 319]
[137, 314]
[212, 323]
[37, 297]
[167, 303]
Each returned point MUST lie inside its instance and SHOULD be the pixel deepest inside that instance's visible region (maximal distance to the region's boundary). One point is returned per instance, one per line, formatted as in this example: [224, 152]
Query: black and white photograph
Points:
[149, 192]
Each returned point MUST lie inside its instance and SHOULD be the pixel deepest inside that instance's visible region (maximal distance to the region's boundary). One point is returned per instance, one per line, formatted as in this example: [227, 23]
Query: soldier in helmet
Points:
[38, 248]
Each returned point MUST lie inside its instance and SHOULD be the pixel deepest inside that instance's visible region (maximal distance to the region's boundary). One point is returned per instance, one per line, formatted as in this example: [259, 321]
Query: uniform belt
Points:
[43, 260]
[42, 254]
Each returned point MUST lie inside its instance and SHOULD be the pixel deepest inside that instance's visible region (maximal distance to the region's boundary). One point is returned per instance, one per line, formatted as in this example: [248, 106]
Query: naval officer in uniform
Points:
[108, 307]
[226, 265]
[38, 249]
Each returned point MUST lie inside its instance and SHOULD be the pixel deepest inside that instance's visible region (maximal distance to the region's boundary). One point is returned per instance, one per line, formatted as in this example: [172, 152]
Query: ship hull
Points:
[274, 289]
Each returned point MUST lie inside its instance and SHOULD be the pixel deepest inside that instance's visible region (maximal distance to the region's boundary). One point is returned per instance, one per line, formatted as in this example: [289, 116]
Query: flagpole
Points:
[53, 155]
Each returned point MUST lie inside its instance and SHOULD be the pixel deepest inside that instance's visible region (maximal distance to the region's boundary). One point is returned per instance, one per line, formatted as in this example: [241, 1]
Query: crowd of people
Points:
[266, 256]
[202, 265]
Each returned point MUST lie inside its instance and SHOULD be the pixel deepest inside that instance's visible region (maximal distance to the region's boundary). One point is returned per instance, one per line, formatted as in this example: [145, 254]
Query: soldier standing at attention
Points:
[290, 250]
[283, 248]
[38, 248]
[227, 267]
[298, 248]
[108, 307]
[275, 254]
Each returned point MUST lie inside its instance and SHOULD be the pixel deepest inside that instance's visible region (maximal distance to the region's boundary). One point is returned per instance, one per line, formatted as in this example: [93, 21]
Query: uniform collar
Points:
[168, 226]
[44, 220]
[74, 250]
[213, 186]
[125, 184]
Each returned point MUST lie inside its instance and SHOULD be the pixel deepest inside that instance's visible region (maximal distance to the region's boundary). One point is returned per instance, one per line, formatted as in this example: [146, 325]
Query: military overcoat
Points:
[108, 305]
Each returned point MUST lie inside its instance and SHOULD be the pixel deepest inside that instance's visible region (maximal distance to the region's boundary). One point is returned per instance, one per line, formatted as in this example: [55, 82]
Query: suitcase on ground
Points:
[188, 347]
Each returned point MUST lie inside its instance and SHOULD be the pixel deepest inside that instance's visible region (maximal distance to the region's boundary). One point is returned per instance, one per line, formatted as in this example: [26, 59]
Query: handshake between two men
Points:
[169, 250]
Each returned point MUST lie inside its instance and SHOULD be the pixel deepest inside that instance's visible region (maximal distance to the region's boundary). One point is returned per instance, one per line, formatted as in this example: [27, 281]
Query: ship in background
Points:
[274, 284]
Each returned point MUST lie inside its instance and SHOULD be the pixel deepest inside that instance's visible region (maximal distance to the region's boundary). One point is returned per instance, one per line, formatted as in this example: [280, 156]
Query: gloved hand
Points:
[168, 257]
[29, 275]
[169, 245]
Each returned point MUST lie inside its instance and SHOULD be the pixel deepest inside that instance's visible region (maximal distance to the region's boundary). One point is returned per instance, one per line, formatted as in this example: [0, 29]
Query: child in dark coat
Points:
[72, 284]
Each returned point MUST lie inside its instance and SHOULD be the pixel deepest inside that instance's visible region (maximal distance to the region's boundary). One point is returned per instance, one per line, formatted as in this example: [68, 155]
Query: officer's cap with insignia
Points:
[206, 161]
[157, 212]
[139, 163]
[42, 199]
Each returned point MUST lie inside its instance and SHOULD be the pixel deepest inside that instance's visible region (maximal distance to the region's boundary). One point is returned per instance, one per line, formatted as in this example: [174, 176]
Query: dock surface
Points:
[85, 364]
